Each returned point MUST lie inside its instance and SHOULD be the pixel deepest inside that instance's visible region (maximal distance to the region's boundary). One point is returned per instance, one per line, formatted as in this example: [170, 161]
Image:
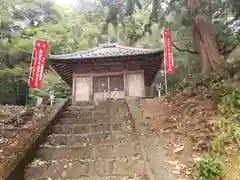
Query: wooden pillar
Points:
[91, 87]
[143, 85]
[125, 79]
[74, 89]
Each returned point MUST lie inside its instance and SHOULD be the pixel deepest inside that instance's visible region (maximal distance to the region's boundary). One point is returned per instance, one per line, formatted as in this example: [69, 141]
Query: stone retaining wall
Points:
[153, 154]
[13, 168]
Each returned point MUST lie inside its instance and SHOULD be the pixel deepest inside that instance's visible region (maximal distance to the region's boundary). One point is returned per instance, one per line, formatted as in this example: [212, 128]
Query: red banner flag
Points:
[168, 54]
[38, 64]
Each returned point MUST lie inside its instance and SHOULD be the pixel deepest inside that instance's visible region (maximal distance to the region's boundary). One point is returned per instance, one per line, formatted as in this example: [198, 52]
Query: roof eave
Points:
[55, 58]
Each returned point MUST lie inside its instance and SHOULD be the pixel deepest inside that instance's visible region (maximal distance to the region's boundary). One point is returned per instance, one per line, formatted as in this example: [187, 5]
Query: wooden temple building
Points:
[108, 71]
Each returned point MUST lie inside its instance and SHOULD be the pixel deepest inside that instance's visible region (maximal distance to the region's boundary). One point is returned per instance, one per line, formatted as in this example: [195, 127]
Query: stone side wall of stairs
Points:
[90, 141]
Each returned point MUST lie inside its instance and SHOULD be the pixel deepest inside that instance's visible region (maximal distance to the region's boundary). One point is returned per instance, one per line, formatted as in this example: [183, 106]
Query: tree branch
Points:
[184, 50]
[225, 52]
[225, 44]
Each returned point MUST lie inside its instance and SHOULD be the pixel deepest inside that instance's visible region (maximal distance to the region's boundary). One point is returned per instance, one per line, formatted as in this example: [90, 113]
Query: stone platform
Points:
[90, 141]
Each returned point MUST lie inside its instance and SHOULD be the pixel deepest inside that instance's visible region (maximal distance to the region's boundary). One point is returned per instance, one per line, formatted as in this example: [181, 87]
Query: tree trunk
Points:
[203, 36]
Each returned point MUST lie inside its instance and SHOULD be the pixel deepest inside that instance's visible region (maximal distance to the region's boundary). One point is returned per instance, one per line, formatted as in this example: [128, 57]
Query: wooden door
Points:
[105, 87]
[82, 89]
[116, 87]
[135, 84]
[100, 88]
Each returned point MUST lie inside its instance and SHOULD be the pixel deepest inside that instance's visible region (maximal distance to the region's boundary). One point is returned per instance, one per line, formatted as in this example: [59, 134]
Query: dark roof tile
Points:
[106, 50]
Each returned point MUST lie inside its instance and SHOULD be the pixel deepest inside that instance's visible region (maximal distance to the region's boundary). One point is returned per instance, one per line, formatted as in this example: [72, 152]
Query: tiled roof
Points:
[106, 50]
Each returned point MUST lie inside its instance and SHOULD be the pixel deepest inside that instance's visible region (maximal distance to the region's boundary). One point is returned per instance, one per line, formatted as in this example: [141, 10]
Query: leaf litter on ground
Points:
[183, 123]
[17, 127]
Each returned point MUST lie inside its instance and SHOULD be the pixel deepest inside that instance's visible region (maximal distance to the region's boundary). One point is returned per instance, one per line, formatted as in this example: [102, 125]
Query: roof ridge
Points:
[103, 50]
[137, 48]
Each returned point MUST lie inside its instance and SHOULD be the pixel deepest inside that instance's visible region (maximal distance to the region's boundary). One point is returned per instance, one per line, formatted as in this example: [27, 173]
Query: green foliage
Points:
[210, 167]
[61, 90]
[226, 132]
[15, 17]
[12, 90]
[227, 128]
[230, 102]
[211, 85]
[210, 81]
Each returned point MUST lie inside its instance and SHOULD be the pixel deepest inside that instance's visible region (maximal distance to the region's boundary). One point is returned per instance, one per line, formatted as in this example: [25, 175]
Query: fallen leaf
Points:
[178, 149]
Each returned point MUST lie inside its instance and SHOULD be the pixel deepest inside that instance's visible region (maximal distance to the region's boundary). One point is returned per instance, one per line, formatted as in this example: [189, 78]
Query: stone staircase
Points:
[91, 141]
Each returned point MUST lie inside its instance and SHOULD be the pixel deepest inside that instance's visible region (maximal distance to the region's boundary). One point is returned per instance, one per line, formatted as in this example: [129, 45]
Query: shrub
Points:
[13, 90]
[61, 90]
[210, 167]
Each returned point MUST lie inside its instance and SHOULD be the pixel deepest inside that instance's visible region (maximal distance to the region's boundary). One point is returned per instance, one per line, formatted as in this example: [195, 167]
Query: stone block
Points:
[102, 138]
[35, 172]
[117, 118]
[69, 139]
[56, 169]
[116, 150]
[102, 151]
[101, 167]
[101, 119]
[125, 150]
[100, 128]
[128, 166]
[67, 169]
[76, 114]
[113, 137]
[71, 129]
[56, 153]
[117, 127]
[102, 178]
[124, 137]
[78, 121]
[101, 113]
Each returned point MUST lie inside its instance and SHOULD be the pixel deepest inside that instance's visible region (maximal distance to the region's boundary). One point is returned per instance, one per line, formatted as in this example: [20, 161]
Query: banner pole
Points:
[165, 72]
[30, 72]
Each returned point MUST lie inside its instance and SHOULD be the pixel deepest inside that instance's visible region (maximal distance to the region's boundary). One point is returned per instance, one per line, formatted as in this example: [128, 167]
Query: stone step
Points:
[68, 140]
[84, 129]
[85, 120]
[77, 114]
[93, 108]
[96, 119]
[78, 169]
[55, 169]
[86, 107]
[103, 104]
[91, 128]
[114, 137]
[87, 152]
[64, 152]
[85, 177]
[93, 139]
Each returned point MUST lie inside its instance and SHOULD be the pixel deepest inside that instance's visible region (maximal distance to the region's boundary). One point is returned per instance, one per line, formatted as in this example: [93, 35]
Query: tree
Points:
[203, 36]
[201, 16]
[15, 17]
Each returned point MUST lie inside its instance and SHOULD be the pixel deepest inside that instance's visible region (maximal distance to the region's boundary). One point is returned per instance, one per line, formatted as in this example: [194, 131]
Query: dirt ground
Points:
[183, 126]
[17, 127]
